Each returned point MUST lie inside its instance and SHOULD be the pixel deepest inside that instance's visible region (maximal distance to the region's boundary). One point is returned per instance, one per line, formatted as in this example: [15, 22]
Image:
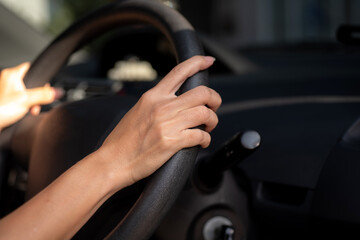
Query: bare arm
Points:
[158, 126]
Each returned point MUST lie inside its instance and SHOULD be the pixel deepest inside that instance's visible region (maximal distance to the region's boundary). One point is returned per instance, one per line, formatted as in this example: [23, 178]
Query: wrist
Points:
[114, 177]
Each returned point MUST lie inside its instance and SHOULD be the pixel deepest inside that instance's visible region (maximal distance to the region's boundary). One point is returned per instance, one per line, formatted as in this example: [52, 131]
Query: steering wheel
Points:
[165, 185]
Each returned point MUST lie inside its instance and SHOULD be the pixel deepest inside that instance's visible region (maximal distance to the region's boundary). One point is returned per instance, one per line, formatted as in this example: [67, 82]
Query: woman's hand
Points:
[158, 126]
[161, 124]
[16, 100]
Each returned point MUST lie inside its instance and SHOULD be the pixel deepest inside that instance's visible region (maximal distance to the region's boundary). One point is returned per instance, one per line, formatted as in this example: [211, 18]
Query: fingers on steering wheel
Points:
[199, 96]
[193, 137]
[41, 95]
[178, 75]
[197, 116]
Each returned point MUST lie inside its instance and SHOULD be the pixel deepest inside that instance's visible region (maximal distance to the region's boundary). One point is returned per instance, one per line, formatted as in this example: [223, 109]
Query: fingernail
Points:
[210, 59]
[59, 92]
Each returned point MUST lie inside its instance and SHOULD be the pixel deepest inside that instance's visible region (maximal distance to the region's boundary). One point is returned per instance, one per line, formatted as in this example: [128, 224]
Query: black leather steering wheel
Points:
[165, 185]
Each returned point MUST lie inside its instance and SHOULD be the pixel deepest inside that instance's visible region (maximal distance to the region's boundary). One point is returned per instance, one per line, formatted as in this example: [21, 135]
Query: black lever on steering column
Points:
[209, 171]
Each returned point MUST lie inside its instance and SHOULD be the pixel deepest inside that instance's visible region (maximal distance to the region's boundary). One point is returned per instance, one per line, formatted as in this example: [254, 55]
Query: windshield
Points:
[236, 23]
[247, 25]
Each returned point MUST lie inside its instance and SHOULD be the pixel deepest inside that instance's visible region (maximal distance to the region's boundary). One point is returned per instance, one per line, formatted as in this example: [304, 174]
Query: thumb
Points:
[41, 95]
[21, 70]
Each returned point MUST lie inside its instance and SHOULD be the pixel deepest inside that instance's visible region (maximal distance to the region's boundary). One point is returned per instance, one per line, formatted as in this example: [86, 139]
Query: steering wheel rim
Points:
[165, 185]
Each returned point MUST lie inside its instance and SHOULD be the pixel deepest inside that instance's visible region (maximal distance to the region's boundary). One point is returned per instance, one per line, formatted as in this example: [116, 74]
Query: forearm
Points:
[64, 206]
[159, 125]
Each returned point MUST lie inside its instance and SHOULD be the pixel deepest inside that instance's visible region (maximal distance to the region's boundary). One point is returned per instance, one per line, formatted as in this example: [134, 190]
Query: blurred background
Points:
[234, 23]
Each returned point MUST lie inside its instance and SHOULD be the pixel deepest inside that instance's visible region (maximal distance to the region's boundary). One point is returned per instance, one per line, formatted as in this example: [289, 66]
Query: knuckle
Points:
[199, 135]
[178, 69]
[204, 91]
[203, 138]
[148, 98]
[206, 112]
[202, 113]
[207, 141]
[143, 99]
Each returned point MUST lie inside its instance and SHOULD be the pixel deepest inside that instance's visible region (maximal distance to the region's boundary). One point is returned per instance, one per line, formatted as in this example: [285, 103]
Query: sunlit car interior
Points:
[284, 162]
